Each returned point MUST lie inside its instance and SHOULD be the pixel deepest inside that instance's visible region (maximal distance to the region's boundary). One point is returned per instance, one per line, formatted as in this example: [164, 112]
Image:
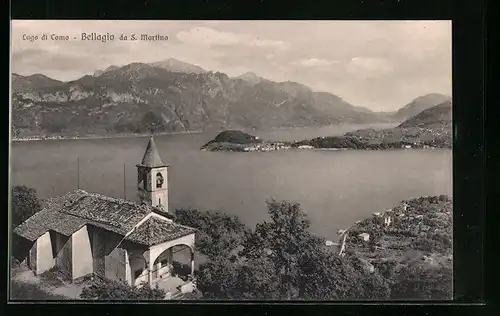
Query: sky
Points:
[381, 65]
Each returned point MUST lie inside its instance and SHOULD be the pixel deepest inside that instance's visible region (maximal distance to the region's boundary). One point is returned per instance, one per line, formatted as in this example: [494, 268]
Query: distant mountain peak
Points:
[250, 77]
[35, 81]
[175, 65]
[420, 104]
[97, 73]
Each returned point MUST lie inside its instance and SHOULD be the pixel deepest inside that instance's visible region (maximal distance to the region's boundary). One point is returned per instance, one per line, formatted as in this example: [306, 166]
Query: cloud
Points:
[268, 43]
[269, 56]
[369, 67]
[314, 62]
[206, 36]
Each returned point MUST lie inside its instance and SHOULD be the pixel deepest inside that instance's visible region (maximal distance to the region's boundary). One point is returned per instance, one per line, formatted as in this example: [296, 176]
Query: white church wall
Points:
[82, 253]
[44, 257]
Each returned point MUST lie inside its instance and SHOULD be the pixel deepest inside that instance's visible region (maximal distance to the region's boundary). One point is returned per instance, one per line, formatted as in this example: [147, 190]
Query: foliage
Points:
[417, 281]
[434, 242]
[112, 290]
[25, 203]
[281, 259]
[15, 132]
[253, 279]
[235, 137]
[218, 234]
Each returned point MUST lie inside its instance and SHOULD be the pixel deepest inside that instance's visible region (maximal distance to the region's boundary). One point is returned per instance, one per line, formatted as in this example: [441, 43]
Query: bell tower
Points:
[152, 178]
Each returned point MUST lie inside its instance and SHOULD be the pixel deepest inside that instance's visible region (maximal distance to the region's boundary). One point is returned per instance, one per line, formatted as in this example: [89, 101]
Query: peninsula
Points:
[431, 128]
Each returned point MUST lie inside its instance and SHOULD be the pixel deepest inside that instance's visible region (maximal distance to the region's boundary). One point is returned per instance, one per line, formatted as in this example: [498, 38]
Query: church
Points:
[83, 233]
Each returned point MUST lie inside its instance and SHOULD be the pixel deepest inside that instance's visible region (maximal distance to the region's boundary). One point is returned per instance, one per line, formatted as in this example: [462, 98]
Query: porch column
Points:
[192, 263]
[158, 267]
[128, 271]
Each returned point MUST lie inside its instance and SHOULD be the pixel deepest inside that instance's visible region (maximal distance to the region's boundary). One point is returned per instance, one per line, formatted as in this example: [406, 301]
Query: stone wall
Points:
[115, 265]
[64, 255]
[98, 250]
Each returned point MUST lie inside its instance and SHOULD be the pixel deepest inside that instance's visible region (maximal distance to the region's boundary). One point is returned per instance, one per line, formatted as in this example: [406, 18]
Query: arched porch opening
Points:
[175, 261]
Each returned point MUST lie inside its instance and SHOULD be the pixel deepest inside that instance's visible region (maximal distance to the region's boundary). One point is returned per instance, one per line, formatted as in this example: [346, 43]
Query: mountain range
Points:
[173, 96]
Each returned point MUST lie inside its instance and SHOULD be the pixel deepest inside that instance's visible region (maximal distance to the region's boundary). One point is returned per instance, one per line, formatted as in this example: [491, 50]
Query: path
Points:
[69, 290]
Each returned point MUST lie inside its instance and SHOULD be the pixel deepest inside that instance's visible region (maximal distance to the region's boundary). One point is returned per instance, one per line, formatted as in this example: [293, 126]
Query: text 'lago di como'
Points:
[94, 37]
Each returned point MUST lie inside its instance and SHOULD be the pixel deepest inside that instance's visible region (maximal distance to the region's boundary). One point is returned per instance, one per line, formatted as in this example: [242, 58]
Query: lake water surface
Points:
[335, 188]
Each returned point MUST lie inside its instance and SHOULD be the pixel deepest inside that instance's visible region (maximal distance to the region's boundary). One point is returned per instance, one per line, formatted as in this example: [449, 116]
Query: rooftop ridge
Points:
[84, 193]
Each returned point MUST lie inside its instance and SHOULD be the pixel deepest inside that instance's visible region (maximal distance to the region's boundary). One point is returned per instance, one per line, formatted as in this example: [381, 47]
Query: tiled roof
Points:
[156, 231]
[151, 156]
[68, 213]
[46, 220]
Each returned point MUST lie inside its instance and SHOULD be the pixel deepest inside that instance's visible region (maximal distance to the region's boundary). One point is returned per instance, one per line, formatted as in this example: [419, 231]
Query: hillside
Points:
[436, 116]
[414, 238]
[429, 128]
[420, 104]
[143, 98]
[33, 82]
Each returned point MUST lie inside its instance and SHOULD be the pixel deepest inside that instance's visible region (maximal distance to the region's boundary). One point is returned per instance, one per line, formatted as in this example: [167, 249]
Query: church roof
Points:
[151, 156]
[68, 213]
[155, 231]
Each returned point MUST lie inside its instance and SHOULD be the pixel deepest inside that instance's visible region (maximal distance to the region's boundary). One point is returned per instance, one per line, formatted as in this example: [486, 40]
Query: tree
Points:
[221, 278]
[112, 290]
[218, 234]
[420, 282]
[283, 239]
[25, 203]
[216, 279]
[307, 269]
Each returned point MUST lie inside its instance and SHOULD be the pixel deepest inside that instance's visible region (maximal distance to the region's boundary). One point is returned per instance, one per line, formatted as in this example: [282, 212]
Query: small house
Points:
[364, 236]
[387, 221]
[329, 243]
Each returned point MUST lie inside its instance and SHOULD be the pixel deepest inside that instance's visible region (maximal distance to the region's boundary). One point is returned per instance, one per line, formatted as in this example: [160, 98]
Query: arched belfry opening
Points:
[159, 180]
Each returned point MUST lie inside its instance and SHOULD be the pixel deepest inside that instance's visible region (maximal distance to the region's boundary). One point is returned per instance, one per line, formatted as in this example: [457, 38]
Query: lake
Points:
[335, 188]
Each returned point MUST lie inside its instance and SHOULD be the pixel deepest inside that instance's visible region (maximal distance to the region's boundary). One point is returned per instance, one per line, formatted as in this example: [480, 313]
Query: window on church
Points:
[159, 180]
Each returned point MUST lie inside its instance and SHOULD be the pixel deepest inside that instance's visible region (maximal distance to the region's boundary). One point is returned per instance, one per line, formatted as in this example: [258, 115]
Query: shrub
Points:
[418, 282]
[112, 290]
[25, 203]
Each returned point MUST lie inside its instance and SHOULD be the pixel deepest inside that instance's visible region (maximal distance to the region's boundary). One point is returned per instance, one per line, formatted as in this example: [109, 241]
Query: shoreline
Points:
[49, 138]
[229, 147]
